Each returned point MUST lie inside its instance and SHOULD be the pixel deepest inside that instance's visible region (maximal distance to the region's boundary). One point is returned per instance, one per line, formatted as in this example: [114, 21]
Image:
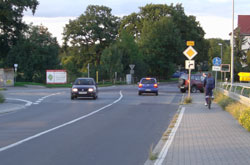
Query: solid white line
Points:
[60, 126]
[28, 103]
[167, 145]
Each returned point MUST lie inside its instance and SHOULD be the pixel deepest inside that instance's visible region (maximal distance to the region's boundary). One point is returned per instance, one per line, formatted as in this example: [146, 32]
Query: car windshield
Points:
[84, 82]
[148, 81]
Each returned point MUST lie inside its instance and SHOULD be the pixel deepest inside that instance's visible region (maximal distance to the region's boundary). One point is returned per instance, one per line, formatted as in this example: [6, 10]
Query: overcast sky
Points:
[215, 16]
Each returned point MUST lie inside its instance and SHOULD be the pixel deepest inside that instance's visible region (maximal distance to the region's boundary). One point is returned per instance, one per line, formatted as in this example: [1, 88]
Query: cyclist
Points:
[209, 85]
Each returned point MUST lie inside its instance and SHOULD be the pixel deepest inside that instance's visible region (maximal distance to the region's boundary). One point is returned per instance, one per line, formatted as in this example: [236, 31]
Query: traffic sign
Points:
[190, 52]
[225, 67]
[132, 66]
[216, 68]
[216, 61]
[189, 64]
[190, 43]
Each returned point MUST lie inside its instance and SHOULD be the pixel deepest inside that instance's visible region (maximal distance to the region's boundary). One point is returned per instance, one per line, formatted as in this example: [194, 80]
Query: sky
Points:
[215, 16]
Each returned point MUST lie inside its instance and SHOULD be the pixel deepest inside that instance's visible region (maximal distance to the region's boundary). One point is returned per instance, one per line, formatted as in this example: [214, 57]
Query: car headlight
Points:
[91, 90]
[75, 90]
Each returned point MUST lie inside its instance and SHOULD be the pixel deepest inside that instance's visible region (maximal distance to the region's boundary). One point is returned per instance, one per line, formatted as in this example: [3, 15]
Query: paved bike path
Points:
[206, 137]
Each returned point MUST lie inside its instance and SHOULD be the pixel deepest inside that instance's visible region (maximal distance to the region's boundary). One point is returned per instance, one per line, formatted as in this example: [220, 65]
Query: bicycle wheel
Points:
[209, 103]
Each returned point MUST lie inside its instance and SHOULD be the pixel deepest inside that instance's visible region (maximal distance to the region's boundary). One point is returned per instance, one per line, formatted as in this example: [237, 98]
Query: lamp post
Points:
[220, 44]
[232, 49]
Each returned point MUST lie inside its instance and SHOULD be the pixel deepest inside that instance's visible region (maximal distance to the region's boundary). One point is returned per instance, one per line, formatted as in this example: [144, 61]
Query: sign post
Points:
[216, 67]
[190, 53]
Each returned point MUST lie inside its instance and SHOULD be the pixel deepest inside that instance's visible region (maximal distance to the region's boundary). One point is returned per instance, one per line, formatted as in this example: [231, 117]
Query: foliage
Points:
[215, 50]
[160, 42]
[248, 59]
[188, 27]
[244, 119]
[35, 52]
[2, 99]
[239, 111]
[131, 54]
[93, 31]
[11, 25]
[188, 100]
[111, 60]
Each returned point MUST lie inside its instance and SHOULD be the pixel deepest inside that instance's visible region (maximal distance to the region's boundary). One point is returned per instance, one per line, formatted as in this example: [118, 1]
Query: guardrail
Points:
[237, 91]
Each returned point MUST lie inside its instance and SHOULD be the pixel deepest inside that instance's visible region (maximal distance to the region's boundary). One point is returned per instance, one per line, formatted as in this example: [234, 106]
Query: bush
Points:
[2, 99]
[236, 109]
[244, 119]
[223, 100]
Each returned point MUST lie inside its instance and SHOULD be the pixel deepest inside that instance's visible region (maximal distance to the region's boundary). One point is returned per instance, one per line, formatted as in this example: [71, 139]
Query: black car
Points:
[84, 87]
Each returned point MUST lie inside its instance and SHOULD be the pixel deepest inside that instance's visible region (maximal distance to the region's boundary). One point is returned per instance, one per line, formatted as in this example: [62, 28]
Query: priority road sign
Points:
[190, 52]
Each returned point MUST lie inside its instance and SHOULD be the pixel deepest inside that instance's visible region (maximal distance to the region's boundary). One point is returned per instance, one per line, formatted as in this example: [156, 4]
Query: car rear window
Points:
[84, 82]
[148, 81]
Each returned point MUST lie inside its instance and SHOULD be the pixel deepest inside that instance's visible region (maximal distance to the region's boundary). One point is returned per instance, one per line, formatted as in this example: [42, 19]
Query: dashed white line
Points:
[60, 126]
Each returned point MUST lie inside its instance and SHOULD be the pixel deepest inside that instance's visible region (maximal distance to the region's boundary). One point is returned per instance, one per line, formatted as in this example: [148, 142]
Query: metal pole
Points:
[189, 83]
[232, 49]
[221, 63]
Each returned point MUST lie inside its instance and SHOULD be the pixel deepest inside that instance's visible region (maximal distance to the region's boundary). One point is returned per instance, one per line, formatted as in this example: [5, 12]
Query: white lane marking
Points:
[44, 97]
[28, 103]
[167, 145]
[60, 126]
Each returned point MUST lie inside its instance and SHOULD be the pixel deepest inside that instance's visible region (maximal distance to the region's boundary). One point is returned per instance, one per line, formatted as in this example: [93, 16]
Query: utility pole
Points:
[232, 49]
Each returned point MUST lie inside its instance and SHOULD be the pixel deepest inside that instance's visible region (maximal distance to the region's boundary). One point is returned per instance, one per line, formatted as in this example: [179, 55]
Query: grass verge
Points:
[152, 156]
[239, 111]
[2, 99]
[188, 100]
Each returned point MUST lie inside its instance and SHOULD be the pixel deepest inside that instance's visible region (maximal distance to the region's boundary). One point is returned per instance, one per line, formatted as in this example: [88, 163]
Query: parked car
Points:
[84, 87]
[148, 85]
[177, 74]
[196, 83]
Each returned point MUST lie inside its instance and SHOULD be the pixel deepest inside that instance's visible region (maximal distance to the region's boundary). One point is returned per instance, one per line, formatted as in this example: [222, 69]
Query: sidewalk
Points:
[208, 137]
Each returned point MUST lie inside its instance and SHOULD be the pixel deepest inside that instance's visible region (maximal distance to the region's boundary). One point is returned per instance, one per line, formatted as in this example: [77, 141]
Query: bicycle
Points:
[209, 101]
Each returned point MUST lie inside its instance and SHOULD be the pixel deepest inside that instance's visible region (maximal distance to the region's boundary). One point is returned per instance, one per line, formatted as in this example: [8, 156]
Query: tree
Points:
[34, 53]
[94, 30]
[188, 27]
[161, 44]
[111, 60]
[131, 54]
[11, 25]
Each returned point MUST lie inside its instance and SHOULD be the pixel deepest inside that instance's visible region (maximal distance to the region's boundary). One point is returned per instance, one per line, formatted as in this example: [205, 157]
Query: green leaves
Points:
[34, 53]
[11, 25]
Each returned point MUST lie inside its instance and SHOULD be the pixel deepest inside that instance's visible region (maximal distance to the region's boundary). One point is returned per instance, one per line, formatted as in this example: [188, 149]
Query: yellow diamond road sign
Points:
[190, 52]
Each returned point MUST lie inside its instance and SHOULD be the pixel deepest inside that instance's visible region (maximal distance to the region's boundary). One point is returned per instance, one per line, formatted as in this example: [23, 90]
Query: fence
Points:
[237, 91]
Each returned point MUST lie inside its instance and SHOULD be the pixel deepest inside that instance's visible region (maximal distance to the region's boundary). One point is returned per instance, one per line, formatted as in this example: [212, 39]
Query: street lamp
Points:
[220, 44]
[232, 49]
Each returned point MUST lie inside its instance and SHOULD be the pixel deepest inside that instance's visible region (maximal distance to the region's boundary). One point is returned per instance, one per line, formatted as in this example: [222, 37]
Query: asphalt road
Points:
[117, 128]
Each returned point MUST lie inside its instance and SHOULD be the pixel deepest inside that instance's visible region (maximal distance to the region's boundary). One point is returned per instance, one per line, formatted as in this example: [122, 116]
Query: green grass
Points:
[188, 100]
[239, 111]
[2, 99]
[22, 84]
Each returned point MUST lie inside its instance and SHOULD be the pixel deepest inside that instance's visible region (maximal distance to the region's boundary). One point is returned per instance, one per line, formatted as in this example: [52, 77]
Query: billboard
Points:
[56, 76]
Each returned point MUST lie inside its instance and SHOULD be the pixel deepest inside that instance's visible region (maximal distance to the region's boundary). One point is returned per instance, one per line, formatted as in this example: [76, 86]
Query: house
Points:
[244, 27]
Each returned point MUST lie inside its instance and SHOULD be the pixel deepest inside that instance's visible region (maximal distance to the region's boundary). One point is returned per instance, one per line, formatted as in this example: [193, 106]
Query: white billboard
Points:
[56, 76]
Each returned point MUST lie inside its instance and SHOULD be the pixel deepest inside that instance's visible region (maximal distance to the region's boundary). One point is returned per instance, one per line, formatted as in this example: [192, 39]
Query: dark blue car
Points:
[148, 85]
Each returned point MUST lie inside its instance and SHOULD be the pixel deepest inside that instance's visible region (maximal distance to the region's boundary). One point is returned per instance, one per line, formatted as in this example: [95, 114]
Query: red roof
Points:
[244, 24]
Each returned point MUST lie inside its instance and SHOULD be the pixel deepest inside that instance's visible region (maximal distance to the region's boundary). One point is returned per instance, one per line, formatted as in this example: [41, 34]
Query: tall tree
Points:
[94, 30]
[34, 53]
[11, 25]
[189, 28]
[160, 42]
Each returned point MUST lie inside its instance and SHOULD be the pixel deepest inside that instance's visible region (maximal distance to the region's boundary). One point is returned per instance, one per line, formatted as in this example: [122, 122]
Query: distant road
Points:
[117, 128]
